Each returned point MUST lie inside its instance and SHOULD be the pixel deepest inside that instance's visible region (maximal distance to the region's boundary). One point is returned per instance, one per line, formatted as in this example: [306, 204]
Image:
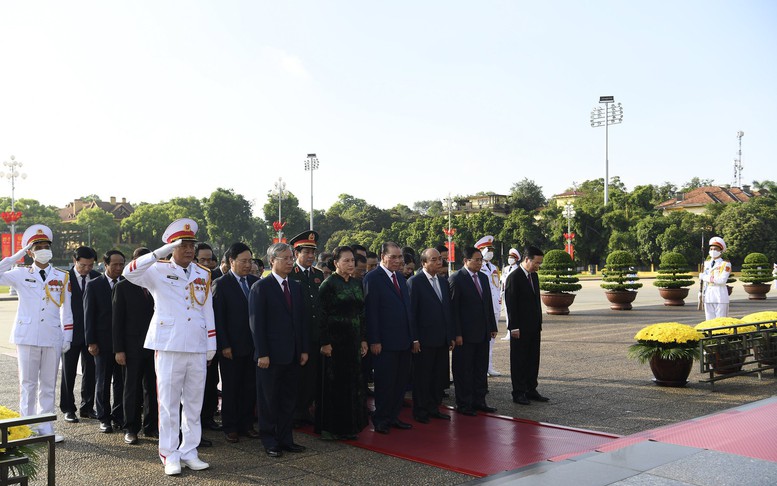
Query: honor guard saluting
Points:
[43, 327]
[714, 278]
[310, 279]
[183, 333]
[486, 247]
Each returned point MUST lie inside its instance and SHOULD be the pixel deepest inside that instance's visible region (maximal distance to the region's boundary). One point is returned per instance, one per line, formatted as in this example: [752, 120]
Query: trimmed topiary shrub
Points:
[756, 269]
[619, 274]
[672, 272]
[557, 273]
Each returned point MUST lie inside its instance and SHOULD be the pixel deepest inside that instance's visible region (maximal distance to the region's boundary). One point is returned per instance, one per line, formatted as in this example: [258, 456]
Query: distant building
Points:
[119, 210]
[696, 200]
[570, 197]
[496, 203]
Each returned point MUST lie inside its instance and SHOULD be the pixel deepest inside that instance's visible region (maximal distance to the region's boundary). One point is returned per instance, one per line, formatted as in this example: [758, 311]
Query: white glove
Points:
[66, 346]
[166, 250]
[8, 262]
[210, 354]
[701, 276]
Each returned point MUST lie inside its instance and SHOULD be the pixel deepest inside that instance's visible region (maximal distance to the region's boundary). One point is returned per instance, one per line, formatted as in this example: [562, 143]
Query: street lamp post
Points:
[608, 116]
[11, 175]
[311, 164]
[569, 213]
[280, 186]
[450, 204]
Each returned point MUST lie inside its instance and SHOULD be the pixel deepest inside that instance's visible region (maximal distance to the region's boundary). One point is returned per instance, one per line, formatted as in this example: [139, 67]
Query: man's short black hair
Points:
[202, 246]
[84, 252]
[530, 252]
[235, 249]
[110, 253]
[441, 248]
[372, 254]
[470, 251]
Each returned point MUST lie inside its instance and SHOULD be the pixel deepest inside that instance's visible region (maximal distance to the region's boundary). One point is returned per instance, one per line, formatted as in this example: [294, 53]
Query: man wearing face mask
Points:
[43, 327]
[486, 246]
[714, 277]
[513, 259]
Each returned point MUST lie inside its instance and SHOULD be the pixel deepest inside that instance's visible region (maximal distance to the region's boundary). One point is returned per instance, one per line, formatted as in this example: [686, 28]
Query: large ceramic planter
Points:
[670, 372]
[765, 349]
[726, 358]
[557, 303]
[756, 291]
[673, 297]
[620, 299]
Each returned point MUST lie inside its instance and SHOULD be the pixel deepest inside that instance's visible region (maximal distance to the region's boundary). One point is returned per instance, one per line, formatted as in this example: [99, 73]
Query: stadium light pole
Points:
[606, 117]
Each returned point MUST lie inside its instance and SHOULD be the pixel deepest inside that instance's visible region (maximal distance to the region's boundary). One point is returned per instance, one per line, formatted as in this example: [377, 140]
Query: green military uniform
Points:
[310, 279]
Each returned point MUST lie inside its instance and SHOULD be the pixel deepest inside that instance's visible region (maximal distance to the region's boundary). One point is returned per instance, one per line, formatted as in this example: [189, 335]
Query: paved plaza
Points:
[584, 370]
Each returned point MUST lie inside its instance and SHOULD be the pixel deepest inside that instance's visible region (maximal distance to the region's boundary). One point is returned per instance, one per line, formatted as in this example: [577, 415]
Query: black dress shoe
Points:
[131, 438]
[440, 415]
[88, 414]
[151, 434]
[466, 411]
[205, 442]
[273, 451]
[106, 427]
[398, 424]
[232, 437]
[421, 419]
[293, 448]
[537, 397]
[485, 408]
[71, 417]
[250, 433]
[521, 399]
[211, 424]
[382, 429]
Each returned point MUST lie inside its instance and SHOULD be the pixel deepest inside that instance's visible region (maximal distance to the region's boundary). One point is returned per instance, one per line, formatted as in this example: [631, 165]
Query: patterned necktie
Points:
[477, 284]
[244, 285]
[396, 284]
[287, 294]
[436, 286]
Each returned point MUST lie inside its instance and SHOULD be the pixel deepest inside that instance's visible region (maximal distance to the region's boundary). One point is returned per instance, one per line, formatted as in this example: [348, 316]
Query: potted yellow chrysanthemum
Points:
[765, 348]
[727, 356]
[670, 348]
[31, 452]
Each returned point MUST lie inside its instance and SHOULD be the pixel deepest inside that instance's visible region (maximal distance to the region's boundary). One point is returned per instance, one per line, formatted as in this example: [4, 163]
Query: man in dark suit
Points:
[473, 317]
[204, 256]
[277, 320]
[391, 336]
[524, 317]
[236, 345]
[309, 278]
[81, 273]
[431, 310]
[133, 308]
[98, 326]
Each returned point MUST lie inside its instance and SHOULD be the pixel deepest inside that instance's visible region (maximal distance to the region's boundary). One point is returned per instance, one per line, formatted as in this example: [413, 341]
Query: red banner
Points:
[7, 245]
[275, 240]
[451, 251]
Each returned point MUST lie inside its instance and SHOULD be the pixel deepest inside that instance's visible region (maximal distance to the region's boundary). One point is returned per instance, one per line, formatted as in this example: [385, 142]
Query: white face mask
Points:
[714, 254]
[511, 261]
[488, 255]
[42, 256]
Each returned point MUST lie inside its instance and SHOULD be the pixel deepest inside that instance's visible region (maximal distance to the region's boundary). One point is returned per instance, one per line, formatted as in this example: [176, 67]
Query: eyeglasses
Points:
[243, 261]
[284, 259]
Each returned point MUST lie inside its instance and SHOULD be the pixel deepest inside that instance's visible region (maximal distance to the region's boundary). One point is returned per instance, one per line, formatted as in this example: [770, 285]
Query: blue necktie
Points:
[244, 285]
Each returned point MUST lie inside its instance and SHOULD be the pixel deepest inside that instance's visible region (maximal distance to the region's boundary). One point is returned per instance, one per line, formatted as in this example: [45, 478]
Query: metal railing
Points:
[741, 352]
[6, 464]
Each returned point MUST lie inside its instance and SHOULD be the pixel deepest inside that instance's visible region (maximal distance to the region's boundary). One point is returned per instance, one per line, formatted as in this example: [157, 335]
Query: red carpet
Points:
[482, 445]
[750, 430]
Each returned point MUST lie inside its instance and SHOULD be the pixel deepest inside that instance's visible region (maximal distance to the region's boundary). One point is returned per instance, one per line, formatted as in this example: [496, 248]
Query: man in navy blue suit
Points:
[390, 335]
[473, 317]
[431, 310]
[279, 330]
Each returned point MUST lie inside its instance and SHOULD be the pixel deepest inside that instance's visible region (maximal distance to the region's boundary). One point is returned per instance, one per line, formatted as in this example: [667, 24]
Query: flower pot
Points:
[620, 299]
[726, 359]
[557, 303]
[673, 297]
[756, 291]
[765, 349]
[670, 372]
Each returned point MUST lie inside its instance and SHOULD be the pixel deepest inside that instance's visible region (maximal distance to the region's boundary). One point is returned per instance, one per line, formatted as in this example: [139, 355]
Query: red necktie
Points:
[396, 284]
[287, 294]
[477, 284]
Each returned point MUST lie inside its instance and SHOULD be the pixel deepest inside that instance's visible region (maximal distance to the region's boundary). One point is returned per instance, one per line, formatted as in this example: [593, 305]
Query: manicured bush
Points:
[557, 273]
[756, 269]
[620, 274]
[672, 272]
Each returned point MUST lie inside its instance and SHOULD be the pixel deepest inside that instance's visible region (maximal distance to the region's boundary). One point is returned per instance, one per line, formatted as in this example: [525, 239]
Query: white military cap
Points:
[181, 229]
[485, 242]
[717, 240]
[36, 233]
[514, 253]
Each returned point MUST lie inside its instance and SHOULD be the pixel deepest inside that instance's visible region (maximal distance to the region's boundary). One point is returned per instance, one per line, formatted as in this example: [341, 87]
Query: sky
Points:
[401, 101]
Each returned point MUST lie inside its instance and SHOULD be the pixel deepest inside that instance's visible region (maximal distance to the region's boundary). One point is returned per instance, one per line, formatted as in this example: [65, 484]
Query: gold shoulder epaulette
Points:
[203, 267]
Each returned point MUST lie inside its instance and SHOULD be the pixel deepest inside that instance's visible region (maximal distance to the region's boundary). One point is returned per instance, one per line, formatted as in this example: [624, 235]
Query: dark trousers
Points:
[276, 388]
[139, 399]
[391, 374]
[108, 377]
[210, 400]
[470, 366]
[430, 370]
[238, 393]
[309, 385]
[525, 363]
[66, 392]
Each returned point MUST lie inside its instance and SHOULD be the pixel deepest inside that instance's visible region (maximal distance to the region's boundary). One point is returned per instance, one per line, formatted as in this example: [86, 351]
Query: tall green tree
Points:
[98, 229]
[229, 218]
[526, 195]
